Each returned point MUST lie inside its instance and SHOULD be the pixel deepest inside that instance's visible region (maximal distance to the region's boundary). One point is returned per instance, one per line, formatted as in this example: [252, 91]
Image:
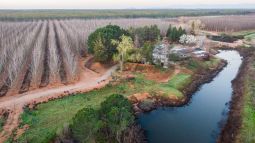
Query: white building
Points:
[160, 55]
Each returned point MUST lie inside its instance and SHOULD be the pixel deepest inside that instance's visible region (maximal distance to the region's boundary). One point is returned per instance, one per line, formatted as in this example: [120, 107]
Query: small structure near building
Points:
[201, 54]
[181, 52]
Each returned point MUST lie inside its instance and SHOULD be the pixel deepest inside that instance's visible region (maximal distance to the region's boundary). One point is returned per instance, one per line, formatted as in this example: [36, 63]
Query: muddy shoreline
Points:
[232, 127]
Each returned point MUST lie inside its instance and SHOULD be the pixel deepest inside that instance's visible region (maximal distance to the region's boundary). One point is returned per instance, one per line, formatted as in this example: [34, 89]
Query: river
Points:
[201, 120]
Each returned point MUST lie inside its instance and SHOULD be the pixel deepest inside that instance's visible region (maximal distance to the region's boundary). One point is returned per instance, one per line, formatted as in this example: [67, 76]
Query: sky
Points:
[123, 4]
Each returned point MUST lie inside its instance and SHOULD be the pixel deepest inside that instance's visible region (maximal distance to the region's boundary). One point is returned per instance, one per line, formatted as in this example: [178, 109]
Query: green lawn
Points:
[247, 132]
[179, 81]
[250, 36]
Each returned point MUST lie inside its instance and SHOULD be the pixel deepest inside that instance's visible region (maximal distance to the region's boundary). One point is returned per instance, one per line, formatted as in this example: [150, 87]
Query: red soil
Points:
[89, 80]
[150, 72]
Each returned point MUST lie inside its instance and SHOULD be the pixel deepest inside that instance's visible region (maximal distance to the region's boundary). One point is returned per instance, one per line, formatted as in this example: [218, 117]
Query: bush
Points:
[224, 38]
[85, 125]
[147, 104]
[106, 124]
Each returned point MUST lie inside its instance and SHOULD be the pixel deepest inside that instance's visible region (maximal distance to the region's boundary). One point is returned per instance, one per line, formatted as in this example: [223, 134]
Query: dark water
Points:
[200, 121]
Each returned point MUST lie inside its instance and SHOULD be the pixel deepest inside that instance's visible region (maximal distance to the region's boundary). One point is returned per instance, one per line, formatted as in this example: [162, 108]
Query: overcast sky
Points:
[123, 4]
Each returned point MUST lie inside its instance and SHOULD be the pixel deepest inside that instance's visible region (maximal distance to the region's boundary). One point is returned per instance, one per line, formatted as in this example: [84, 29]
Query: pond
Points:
[201, 120]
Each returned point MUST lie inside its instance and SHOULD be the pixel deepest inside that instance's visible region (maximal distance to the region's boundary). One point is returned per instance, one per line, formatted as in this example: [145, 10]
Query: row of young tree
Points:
[229, 23]
[38, 53]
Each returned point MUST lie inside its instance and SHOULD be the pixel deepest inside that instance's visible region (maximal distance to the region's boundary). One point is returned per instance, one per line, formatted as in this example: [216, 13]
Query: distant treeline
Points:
[20, 15]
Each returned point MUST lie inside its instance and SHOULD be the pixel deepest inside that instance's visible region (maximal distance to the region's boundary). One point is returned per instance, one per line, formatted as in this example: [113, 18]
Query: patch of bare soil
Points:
[151, 72]
[20, 131]
[138, 97]
[98, 67]
[12, 123]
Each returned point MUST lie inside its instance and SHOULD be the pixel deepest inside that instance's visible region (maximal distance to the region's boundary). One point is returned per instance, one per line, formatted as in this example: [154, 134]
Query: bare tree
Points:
[53, 61]
[38, 56]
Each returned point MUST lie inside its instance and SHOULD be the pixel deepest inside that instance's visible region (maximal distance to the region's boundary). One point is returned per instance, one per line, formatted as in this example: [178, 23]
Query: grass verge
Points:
[247, 134]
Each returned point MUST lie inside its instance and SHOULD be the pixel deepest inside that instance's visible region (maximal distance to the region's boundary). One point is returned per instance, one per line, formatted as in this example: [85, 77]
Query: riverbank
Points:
[232, 131]
[198, 78]
[200, 119]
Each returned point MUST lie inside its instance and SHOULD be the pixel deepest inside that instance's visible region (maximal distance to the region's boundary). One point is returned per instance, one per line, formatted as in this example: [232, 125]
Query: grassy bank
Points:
[247, 35]
[247, 134]
[49, 118]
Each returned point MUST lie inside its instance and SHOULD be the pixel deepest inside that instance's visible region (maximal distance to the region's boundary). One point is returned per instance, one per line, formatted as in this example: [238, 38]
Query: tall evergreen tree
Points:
[169, 30]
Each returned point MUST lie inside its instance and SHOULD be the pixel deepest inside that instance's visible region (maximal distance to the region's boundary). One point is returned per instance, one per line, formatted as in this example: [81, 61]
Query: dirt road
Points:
[89, 80]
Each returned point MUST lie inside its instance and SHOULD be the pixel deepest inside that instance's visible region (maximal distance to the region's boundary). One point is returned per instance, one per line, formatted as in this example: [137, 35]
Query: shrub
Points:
[85, 125]
[224, 38]
[147, 104]
[106, 124]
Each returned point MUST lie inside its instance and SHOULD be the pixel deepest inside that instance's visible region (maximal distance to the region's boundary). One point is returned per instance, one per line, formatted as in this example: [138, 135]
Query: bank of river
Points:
[202, 118]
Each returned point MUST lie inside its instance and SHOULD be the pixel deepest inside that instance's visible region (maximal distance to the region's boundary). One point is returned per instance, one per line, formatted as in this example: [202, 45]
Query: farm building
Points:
[182, 52]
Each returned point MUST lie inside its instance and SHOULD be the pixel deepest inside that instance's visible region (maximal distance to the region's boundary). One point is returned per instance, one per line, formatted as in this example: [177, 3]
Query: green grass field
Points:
[179, 81]
[243, 33]
[250, 36]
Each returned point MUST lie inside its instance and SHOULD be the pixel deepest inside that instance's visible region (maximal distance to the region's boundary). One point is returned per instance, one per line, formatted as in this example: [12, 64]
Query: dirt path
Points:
[89, 81]
[177, 70]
